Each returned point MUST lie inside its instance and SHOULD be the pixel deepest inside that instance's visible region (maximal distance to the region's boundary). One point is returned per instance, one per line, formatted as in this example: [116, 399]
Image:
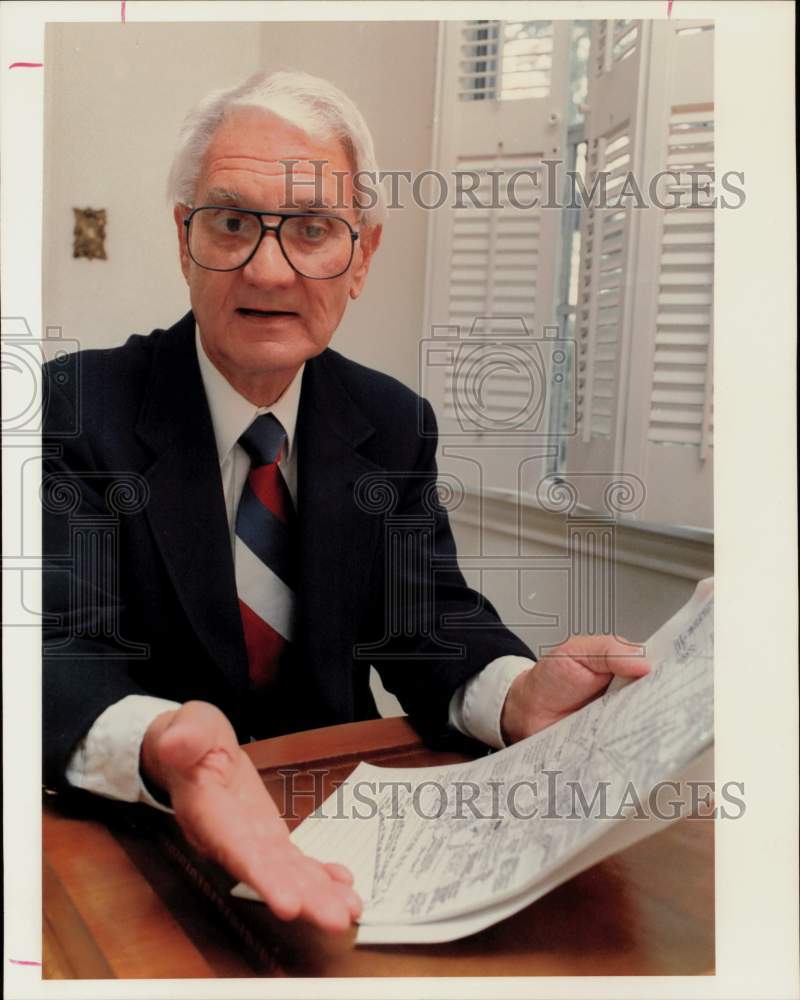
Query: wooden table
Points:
[115, 906]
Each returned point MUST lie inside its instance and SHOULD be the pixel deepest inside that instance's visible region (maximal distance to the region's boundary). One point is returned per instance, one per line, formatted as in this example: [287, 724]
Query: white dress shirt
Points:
[106, 761]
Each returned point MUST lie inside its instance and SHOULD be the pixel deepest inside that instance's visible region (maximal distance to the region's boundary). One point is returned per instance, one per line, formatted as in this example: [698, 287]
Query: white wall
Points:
[114, 98]
[655, 574]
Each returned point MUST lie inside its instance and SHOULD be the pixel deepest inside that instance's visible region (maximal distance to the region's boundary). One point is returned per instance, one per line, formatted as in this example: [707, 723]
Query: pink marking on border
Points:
[15, 65]
[669, 8]
[20, 961]
[122, 11]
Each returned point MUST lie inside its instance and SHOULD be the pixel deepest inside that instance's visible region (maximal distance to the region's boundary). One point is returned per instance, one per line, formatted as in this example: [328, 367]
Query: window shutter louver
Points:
[669, 442]
[604, 264]
[686, 290]
[494, 257]
[626, 36]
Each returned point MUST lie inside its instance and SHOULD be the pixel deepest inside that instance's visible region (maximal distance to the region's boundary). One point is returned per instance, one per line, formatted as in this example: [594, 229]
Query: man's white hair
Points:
[308, 102]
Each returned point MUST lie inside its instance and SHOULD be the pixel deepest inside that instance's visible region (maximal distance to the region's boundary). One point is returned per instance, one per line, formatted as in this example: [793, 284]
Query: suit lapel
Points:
[189, 522]
[187, 508]
[337, 539]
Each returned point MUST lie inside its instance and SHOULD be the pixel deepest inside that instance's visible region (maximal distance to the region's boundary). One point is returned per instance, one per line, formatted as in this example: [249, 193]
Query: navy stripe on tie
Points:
[265, 535]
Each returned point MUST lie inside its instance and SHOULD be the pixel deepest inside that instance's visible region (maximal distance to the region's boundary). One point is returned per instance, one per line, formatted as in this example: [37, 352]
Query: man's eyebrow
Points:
[305, 201]
[312, 203]
[223, 196]
[302, 201]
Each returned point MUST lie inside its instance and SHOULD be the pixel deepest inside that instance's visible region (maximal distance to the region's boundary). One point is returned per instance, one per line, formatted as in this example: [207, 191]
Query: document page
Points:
[439, 852]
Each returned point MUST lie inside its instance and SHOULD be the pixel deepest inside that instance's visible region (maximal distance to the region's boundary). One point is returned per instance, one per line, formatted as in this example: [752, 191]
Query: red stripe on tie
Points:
[264, 646]
[268, 485]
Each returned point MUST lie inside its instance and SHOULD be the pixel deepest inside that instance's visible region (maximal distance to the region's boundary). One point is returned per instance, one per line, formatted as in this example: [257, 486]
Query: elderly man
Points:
[242, 596]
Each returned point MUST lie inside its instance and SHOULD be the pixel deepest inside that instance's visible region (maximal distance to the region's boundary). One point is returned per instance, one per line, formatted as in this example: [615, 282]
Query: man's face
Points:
[261, 322]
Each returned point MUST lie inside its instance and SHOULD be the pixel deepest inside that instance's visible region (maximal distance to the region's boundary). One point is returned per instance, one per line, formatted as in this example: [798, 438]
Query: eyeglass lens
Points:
[316, 246]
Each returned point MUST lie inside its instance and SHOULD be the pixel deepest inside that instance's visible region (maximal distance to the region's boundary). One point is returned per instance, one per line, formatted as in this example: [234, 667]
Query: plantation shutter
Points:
[492, 270]
[670, 440]
[644, 324]
[609, 259]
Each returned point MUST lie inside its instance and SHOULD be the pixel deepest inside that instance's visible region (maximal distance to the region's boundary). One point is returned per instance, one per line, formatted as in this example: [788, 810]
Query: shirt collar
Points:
[232, 414]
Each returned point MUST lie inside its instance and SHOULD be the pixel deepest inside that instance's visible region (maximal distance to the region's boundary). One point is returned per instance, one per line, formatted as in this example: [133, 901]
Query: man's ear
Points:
[368, 242]
[179, 213]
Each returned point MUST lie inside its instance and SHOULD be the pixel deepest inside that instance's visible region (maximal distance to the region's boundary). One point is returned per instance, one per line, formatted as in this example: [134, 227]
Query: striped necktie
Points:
[262, 552]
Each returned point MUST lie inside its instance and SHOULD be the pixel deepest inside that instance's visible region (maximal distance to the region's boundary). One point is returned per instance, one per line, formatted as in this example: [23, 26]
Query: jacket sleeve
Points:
[437, 632]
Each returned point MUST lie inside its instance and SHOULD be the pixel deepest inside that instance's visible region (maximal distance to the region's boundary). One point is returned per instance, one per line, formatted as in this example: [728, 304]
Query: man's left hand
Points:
[566, 679]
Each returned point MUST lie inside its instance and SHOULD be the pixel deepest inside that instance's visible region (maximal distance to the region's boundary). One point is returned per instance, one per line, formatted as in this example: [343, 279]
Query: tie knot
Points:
[263, 440]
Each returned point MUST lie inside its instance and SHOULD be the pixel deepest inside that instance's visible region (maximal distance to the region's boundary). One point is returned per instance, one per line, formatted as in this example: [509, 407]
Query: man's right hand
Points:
[226, 813]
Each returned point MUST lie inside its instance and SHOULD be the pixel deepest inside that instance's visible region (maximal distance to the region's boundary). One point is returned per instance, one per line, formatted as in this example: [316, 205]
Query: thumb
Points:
[195, 730]
[605, 654]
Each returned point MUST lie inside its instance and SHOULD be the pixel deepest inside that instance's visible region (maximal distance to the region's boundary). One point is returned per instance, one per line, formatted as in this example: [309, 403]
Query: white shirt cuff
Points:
[477, 706]
[106, 761]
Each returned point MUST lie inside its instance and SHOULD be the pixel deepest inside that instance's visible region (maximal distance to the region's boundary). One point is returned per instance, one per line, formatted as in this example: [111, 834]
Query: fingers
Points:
[354, 903]
[338, 872]
[333, 911]
[343, 881]
[280, 895]
[331, 905]
[304, 888]
[329, 902]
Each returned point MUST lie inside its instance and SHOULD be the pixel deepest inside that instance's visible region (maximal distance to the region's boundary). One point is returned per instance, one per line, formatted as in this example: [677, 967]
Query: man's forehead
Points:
[262, 144]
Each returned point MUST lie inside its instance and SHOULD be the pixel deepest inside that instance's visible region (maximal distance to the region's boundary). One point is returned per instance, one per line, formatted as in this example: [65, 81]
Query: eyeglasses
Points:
[220, 238]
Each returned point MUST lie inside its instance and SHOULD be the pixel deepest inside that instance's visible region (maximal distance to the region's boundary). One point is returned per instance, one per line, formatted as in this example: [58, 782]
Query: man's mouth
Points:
[264, 313]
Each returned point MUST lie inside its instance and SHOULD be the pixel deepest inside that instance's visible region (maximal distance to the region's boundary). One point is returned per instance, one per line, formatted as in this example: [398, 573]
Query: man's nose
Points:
[268, 267]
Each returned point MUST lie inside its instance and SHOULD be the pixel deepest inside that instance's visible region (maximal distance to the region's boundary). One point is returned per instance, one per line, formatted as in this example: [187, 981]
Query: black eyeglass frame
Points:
[283, 216]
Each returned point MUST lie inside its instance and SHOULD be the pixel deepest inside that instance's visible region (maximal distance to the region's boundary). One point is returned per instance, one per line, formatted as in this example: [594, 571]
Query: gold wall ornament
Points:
[89, 233]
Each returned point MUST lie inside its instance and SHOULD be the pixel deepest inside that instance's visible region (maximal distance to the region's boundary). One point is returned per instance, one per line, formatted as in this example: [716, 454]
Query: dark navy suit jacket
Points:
[139, 585]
